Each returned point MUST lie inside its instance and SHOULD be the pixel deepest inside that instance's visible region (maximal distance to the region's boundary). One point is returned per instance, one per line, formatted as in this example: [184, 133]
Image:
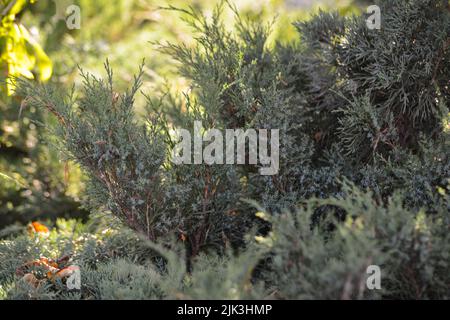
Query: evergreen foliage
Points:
[367, 107]
[32, 185]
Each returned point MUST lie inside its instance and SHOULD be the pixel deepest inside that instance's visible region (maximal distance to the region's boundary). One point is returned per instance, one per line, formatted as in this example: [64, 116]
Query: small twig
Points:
[8, 8]
[440, 57]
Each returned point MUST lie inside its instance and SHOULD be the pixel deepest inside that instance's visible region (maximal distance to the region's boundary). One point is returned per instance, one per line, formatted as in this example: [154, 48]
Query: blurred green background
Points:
[35, 184]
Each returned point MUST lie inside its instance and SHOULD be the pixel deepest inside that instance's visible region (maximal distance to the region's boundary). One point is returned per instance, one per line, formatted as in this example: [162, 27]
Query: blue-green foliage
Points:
[366, 106]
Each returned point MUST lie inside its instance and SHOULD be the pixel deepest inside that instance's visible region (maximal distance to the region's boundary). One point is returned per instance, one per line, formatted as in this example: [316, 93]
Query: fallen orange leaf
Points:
[67, 271]
[37, 227]
[31, 280]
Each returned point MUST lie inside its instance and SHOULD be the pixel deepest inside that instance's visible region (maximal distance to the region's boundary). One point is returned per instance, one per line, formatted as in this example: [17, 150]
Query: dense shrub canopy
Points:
[367, 107]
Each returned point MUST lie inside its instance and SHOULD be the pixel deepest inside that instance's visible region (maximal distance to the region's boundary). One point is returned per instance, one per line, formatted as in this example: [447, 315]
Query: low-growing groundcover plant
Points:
[364, 175]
